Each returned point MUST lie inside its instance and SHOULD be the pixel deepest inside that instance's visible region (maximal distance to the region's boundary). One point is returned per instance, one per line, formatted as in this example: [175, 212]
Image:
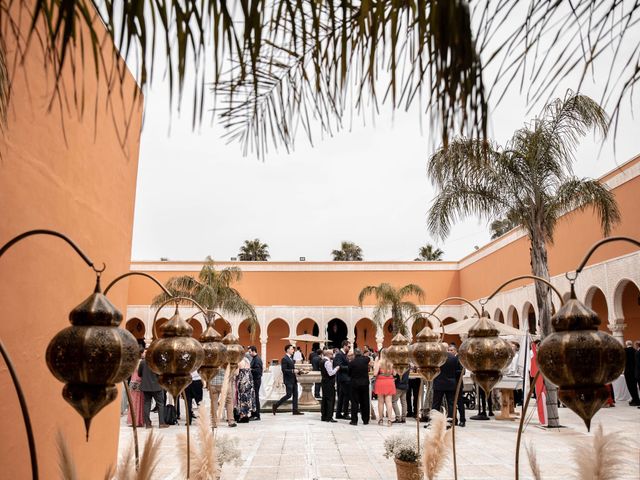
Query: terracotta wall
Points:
[76, 179]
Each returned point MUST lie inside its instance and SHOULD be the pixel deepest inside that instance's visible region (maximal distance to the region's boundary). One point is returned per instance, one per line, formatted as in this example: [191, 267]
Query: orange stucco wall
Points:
[83, 186]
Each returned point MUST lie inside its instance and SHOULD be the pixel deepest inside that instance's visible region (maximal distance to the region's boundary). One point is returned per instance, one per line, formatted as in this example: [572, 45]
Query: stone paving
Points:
[302, 447]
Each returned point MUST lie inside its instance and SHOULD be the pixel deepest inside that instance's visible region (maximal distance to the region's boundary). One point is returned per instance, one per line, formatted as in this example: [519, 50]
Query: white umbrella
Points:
[465, 325]
[305, 338]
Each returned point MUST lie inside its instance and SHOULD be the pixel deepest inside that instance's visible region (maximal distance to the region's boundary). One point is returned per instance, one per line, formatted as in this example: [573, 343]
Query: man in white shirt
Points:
[297, 356]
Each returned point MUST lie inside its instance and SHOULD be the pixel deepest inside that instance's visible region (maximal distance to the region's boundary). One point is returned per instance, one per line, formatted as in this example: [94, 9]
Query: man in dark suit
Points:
[462, 420]
[316, 360]
[630, 372]
[256, 372]
[290, 381]
[328, 374]
[444, 385]
[359, 373]
[344, 381]
[151, 390]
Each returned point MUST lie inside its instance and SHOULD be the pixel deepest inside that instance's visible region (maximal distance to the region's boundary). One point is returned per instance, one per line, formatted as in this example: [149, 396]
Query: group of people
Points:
[632, 371]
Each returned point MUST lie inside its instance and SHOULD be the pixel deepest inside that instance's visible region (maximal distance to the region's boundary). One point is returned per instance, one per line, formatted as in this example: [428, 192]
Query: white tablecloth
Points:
[620, 391]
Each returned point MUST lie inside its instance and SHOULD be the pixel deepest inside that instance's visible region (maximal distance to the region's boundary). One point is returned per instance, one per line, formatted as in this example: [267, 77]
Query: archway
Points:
[336, 332]
[221, 326]
[277, 329]
[136, 328]
[249, 334]
[419, 324]
[529, 315]
[497, 316]
[596, 301]
[159, 323]
[448, 338]
[512, 317]
[365, 333]
[308, 326]
[197, 328]
[388, 333]
[627, 307]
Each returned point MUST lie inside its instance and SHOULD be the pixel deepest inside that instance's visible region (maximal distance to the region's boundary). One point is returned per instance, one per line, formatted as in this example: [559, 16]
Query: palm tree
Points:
[254, 251]
[529, 181]
[213, 290]
[429, 253]
[349, 252]
[393, 301]
[502, 226]
[295, 61]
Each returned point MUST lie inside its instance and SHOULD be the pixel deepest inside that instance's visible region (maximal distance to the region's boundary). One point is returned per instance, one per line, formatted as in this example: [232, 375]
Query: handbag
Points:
[135, 386]
[170, 415]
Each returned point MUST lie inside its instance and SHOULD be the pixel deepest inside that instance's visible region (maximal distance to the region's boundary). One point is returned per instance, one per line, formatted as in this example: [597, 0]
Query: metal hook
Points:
[99, 270]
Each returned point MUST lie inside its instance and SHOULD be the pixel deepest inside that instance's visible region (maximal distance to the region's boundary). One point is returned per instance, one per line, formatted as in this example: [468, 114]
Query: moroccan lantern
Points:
[428, 353]
[398, 353]
[215, 354]
[579, 359]
[92, 355]
[235, 352]
[485, 354]
[175, 355]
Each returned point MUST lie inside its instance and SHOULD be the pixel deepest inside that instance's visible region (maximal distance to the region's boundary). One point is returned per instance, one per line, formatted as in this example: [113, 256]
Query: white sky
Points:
[197, 196]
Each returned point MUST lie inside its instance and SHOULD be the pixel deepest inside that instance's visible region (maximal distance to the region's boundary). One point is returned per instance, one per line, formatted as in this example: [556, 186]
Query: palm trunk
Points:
[540, 268]
[396, 322]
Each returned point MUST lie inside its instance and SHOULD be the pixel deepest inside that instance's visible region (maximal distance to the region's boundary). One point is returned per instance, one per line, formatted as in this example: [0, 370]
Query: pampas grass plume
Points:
[65, 461]
[604, 458]
[437, 445]
[204, 455]
[533, 462]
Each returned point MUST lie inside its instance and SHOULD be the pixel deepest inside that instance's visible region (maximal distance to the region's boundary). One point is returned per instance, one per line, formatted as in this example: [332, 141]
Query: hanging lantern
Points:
[398, 353]
[92, 355]
[428, 353]
[175, 355]
[215, 354]
[235, 352]
[485, 354]
[579, 359]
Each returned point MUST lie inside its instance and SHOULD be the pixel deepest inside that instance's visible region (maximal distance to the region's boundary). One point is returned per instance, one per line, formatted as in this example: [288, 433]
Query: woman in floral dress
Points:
[246, 395]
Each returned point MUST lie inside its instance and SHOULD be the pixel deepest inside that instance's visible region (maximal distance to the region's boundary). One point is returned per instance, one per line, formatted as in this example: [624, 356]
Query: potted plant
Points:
[404, 450]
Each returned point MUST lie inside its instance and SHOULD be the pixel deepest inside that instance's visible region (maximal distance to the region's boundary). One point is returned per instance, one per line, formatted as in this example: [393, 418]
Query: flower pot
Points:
[408, 470]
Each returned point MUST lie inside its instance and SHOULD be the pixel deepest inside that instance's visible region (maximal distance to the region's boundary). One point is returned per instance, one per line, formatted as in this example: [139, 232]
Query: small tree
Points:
[429, 253]
[393, 301]
[349, 252]
[254, 251]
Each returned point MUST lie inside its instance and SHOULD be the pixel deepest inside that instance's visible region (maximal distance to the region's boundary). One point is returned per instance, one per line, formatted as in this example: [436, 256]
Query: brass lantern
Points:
[235, 352]
[485, 354]
[215, 354]
[398, 353]
[175, 355]
[579, 359]
[92, 355]
[428, 353]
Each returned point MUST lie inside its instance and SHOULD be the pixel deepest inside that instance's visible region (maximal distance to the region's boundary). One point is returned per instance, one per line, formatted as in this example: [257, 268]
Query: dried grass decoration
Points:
[437, 445]
[208, 453]
[605, 457]
[126, 468]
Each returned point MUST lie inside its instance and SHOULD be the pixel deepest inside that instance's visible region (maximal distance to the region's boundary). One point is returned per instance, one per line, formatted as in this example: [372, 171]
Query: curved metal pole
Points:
[141, 274]
[206, 317]
[453, 425]
[134, 422]
[186, 407]
[429, 314]
[5, 354]
[522, 277]
[520, 426]
[598, 245]
[418, 407]
[174, 299]
[461, 299]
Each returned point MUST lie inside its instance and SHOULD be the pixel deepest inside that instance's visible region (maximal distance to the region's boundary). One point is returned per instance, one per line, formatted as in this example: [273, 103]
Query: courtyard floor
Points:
[302, 447]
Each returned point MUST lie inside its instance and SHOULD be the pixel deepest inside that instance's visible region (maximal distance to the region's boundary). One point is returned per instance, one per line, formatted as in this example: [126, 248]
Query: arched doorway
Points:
[388, 333]
[336, 332]
[365, 333]
[156, 330]
[277, 329]
[136, 328]
[249, 334]
[627, 307]
[497, 316]
[221, 326]
[529, 315]
[308, 326]
[512, 317]
[197, 328]
[419, 324]
[597, 302]
[451, 338]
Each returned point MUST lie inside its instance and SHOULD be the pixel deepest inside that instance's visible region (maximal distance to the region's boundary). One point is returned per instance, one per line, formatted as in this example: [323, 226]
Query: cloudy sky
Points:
[198, 196]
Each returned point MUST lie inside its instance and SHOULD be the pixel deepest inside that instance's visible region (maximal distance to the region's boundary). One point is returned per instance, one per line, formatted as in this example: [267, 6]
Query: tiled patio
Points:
[291, 447]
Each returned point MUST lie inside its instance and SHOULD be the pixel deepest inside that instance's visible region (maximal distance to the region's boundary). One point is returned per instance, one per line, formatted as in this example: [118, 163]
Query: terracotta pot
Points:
[408, 470]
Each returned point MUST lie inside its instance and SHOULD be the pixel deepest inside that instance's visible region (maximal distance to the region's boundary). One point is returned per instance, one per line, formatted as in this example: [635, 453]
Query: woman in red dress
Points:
[137, 399]
[385, 387]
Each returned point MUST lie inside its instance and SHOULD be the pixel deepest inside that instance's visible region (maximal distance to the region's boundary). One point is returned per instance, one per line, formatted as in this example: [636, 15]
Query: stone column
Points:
[263, 351]
[617, 330]
[379, 341]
